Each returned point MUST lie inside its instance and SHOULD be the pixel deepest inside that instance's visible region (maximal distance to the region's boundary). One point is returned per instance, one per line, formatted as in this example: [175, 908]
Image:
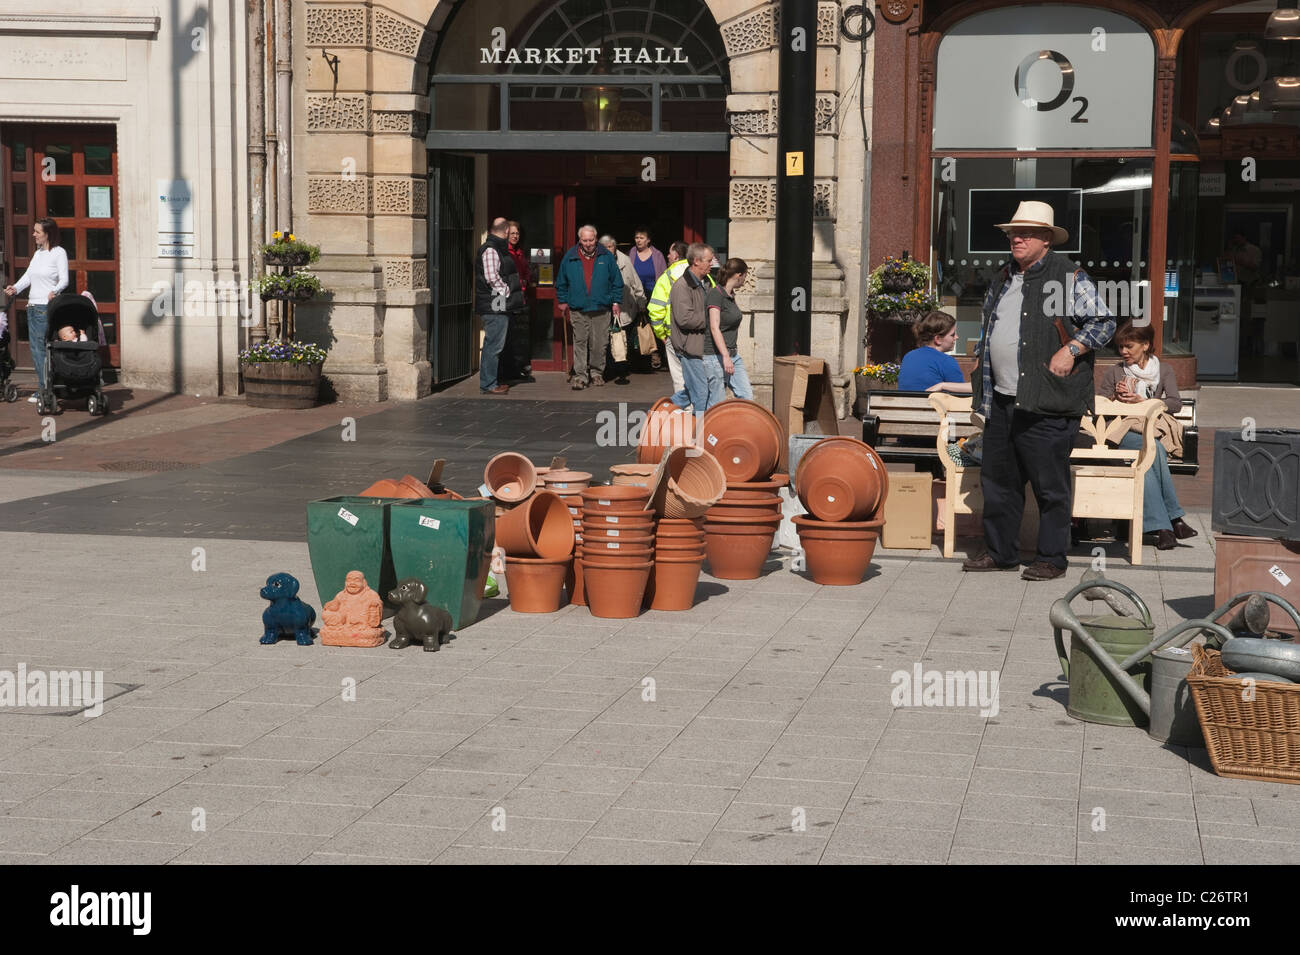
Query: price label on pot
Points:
[613, 545]
[613, 533]
[713, 439]
[610, 520]
[603, 503]
[484, 490]
[430, 522]
[348, 516]
[1280, 575]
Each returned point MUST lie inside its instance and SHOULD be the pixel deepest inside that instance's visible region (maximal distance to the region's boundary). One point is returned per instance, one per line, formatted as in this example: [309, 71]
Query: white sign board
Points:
[1045, 77]
[175, 219]
[99, 202]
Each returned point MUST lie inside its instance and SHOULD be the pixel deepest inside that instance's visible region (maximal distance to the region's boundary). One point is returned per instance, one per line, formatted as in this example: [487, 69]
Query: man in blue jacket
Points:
[588, 288]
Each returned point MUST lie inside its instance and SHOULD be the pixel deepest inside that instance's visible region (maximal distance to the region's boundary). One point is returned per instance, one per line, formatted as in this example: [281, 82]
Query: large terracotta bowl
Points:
[745, 438]
[738, 551]
[695, 481]
[770, 486]
[539, 527]
[841, 479]
[666, 426]
[510, 476]
[837, 555]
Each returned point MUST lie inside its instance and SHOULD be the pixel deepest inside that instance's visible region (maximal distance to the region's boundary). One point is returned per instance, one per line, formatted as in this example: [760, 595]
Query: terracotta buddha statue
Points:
[352, 618]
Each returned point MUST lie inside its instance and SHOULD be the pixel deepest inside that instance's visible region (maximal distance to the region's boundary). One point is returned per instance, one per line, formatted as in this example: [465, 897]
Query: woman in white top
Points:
[46, 277]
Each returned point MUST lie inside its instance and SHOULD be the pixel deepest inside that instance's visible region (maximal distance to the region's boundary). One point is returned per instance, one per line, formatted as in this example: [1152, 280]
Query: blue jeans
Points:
[36, 328]
[718, 379]
[695, 385]
[494, 339]
[1160, 505]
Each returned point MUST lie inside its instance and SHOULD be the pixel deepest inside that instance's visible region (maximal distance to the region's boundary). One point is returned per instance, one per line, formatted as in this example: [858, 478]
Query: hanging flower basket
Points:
[908, 317]
[288, 250]
[286, 259]
[899, 292]
[300, 294]
[288, 286]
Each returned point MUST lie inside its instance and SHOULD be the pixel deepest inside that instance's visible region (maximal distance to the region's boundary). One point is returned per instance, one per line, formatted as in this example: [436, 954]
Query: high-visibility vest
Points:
[661, 317]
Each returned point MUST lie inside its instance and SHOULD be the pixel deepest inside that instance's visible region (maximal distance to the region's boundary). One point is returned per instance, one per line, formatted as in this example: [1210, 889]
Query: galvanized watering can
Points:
[1117, 670]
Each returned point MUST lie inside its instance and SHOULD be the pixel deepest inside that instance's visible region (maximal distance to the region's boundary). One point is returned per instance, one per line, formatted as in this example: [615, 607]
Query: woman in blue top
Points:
[927, 367]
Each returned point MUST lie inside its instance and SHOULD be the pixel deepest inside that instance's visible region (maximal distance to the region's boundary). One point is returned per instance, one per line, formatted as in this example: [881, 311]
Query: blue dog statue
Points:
[287, 615]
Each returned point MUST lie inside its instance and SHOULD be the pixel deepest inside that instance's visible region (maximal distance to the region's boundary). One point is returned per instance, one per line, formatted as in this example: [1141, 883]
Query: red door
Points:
[68, 173]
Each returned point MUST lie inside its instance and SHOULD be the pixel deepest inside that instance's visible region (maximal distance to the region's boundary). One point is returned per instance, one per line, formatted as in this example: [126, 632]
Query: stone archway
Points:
[361, 188]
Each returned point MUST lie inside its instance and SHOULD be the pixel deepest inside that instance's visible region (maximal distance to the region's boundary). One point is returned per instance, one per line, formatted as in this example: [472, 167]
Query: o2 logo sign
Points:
[1066, 68]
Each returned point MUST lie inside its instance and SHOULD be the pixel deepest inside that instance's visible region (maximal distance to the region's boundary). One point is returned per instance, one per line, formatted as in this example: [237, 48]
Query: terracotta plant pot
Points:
[745, 438]
[770, 486]
[837, 560]
[671, 527]
[765, 519]
[750, 499]
[841, 479]
[510, 476]
[642, 520]
[695, 482]
[679, 548]
[746, 513]
[573, 583]
[539, 527]
[632, 475]
[622, 536]
[614, 591]
[666, 426]
[536, 585]
[840, 530]
[566, 482]
[617, 548]
[737, 551]
[673, 582]
[409, 487]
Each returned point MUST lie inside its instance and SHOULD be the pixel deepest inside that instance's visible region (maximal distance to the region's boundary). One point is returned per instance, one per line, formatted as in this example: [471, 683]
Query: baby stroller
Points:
[8, 390]
[72, 369]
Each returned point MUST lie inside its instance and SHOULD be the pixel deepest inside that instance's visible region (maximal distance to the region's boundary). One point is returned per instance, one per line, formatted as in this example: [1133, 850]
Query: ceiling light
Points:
[1284, 22]
[1281, 92]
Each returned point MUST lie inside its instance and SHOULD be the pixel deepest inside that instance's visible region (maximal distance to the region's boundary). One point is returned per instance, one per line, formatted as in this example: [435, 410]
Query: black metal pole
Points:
[796, 111]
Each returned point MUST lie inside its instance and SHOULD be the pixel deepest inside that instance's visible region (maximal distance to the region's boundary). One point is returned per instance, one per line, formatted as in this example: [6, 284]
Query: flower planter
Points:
[695, 482]
[447, 546]
[289, 259]
[745, 438]
[615, 591]
[633, 475]
[510, 476]
[289, 294]
[617, 548]
[738, 551]
[670, 527]
[539, 527]
[566, 482]
[864, 384]
[642, 520]
[837, 555]
[666, 426]
[673, 582]
[841, 479]
[536, 585]
[621, 534]
[281, 384]
[898, 318]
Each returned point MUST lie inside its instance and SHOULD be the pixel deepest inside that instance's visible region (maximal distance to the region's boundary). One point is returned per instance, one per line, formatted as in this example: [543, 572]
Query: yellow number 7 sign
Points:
[794, 164]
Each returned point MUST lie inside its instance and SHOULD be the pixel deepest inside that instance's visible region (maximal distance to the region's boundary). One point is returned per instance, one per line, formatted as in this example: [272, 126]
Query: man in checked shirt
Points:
[497, 293]
[1032, 389]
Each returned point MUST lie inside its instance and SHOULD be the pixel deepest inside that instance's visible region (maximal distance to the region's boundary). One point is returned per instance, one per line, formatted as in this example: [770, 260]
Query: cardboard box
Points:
[802, 399]
[907, 512]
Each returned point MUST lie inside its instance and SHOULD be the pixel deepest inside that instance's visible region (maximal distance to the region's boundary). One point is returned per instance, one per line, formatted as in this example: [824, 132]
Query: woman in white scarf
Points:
[1138, 377]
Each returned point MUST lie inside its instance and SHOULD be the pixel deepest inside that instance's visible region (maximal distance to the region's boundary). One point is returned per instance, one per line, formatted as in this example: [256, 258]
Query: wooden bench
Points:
[900, 425]
[1107, 482]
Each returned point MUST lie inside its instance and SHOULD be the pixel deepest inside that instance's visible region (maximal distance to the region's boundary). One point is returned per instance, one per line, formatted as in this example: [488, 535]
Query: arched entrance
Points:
[564, 113]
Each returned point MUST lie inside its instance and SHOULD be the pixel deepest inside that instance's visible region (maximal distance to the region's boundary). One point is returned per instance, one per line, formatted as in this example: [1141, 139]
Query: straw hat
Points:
[1036, 215]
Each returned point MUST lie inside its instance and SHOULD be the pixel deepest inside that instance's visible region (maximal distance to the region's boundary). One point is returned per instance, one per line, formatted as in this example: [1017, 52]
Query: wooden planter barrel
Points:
[281, 384]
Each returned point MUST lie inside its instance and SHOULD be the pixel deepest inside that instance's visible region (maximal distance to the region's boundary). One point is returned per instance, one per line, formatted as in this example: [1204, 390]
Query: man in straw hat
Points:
[1032, 383]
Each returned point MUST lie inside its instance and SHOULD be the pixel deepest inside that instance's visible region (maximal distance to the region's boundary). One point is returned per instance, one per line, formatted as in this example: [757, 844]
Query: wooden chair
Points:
[1107, 482]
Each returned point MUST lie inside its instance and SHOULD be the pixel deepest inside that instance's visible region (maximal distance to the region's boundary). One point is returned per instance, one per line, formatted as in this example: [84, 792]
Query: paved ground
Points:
[770, 735]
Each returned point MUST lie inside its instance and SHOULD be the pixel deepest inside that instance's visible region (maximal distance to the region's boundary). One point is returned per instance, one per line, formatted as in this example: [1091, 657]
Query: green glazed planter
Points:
[447, 546]
[349, 533]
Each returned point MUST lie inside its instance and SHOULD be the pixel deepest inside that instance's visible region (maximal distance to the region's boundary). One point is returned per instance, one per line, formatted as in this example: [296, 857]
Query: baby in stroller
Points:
[72, 365]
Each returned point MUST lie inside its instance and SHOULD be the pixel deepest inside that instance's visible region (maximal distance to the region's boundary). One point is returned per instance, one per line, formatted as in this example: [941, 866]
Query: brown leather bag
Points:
[646, 342]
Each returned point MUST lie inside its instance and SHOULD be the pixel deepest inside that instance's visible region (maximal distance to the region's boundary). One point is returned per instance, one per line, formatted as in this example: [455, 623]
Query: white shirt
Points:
[1004, 342]
[47, 272]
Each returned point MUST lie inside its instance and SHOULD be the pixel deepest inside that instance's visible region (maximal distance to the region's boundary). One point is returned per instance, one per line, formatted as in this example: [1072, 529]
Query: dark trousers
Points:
[517, 356]
[1020, 447]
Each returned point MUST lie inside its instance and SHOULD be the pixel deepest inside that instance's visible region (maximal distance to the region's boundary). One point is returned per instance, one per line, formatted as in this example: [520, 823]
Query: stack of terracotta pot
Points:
[691, 482]
[617, 550]
[843, 484]
[534, 529]
[745, 439]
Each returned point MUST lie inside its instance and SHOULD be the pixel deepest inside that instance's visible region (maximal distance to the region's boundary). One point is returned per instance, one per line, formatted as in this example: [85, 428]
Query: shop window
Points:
[1104, 203]
[62, 156]
[20, 157]
[60, 202]
[99, 244]
[99, 160]
[20, 199]
[102, 285]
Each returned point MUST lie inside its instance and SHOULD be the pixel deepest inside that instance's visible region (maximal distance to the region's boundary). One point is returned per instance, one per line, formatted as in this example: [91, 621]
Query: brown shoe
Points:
[578, 384]
[597, 381]
[1165, 540]
[986, 562]
[1042, 570]
[1182, 530]
[498, 390]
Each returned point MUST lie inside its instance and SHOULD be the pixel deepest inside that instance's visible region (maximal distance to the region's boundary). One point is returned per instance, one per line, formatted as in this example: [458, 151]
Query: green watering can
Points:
[1118, 672]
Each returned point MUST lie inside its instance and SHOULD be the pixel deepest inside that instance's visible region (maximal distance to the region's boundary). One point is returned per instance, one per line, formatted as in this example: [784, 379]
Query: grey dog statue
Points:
[415, 620]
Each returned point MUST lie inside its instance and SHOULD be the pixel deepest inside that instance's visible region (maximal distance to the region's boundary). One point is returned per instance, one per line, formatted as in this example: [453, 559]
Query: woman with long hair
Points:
[46, 277]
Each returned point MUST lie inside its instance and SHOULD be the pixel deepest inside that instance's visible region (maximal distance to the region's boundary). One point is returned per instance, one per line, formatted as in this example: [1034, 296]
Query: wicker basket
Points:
[1257, 739]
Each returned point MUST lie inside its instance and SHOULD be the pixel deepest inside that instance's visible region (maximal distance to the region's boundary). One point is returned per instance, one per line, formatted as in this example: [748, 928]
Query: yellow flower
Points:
[276, 235]
[290, 236]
